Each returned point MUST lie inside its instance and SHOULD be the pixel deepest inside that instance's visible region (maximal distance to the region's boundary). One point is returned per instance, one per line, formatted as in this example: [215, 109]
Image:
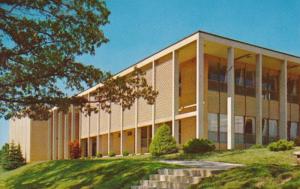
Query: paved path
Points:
[203, 164]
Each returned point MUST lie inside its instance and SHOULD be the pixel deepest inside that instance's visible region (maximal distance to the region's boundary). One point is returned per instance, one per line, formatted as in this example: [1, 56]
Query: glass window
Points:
[293, 130]
[213, 127]
[250, 130]
[273, 130]
[239, 129]
[223, 128]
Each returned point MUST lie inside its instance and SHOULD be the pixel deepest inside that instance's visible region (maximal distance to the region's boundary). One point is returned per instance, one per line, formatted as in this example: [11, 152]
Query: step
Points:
[187, 172]
[164, 184]
[176, 178]
[142, 187]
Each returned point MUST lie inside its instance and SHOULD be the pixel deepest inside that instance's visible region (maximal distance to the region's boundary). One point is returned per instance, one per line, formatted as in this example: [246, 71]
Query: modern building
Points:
[231, 92]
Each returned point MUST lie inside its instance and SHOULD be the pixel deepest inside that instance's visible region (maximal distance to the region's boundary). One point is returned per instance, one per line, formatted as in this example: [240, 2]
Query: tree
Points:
[39, 40]
[12, 157]
[75, 150]
[163, 142]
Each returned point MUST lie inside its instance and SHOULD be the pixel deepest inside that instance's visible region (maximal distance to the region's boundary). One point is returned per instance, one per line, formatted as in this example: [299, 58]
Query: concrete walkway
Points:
[203, 164]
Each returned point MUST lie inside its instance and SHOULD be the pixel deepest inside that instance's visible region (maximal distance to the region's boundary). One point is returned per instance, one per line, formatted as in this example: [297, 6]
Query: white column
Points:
[73, 122]
[137, 140]
[230, 98]
[200, 88]
[60, 135]
[259, 99]
[80, 125]
[54, 140]
[153, 106]
[108, 134]
[98, 131]
[66, 142]
[283, 101]
[175, 95]
[121, 131]
[49, 138]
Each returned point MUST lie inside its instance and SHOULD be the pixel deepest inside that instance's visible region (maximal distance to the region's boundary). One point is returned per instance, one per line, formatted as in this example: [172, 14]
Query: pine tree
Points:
[163, 142]
[12, 157]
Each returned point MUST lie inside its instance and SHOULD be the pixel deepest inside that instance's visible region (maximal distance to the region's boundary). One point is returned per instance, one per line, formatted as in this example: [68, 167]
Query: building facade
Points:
[233, 93]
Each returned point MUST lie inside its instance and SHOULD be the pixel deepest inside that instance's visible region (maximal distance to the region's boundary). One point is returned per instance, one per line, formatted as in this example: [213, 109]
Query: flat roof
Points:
[203, 32]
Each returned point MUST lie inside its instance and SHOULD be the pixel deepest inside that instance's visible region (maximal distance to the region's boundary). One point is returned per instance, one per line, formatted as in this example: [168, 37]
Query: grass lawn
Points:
[104, 173]
[264, 169]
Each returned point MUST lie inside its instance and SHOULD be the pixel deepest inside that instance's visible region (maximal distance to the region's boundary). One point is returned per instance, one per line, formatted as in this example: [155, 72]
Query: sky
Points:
[139, 28]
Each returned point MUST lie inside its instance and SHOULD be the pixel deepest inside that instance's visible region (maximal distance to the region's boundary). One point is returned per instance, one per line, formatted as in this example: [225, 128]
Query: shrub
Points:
[281, 145]
[125, 153]
[75, 150]
[111, 154]
[163, 142]
[12, 157]
[198, 146]
[297, 141]
[99, 155]
[256, 146]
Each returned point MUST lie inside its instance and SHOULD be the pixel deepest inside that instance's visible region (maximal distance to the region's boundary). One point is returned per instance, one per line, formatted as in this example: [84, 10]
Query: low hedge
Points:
[281, 145]
[198, 146]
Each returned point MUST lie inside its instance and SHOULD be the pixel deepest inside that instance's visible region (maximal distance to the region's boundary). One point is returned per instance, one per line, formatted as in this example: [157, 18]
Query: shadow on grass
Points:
[73, 174]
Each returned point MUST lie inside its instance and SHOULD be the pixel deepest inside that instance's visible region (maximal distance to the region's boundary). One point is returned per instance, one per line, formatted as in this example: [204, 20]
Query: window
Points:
[223, 128]
[239, 129]
[249, 130]
[213, 127]
[292, 90]
[217, 76]
[293, 130]
[273, 130]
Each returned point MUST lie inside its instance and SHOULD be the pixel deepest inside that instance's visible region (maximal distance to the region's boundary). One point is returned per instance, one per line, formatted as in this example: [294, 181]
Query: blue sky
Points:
[139, 28]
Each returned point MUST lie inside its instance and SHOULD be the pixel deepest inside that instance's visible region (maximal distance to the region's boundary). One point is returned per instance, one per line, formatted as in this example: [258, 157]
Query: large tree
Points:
[39, 40]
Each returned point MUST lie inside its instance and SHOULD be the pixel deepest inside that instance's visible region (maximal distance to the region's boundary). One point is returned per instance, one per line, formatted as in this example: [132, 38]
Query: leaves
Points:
[39, 40]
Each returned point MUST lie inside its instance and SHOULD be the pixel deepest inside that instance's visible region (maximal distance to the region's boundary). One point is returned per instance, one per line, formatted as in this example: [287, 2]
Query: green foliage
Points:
[256, 146]
[297, 141]
[111, 154]
[281, 145]
[99, 155]
[75, 150]
[163, 142]
[125, 153]
[198, 146]
[12, 157]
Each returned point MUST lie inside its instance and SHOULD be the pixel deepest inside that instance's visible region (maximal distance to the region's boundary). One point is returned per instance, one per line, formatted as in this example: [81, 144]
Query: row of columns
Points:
[200, 106]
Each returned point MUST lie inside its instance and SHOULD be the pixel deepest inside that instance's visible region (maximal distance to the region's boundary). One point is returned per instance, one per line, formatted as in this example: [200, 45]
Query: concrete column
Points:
[60, 135]
[73, 122]
[175, 94]
[66, 141]
[108, 134]
[121, 131]
[258, 99]
[80, 124]
[283, 101]
[153, 106]
[200, 88]
[89, 142]
[98, 132]
[49, 138]
[137, 140]
[54, 131]
[230, 99]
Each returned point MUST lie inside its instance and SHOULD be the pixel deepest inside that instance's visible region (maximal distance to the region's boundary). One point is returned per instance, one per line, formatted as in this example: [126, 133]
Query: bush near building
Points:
[11, 157]
[125, 153]
[281, 145]
[111, 154]
[198, 146]
[75, 150]
[163, 142]
[297, 141]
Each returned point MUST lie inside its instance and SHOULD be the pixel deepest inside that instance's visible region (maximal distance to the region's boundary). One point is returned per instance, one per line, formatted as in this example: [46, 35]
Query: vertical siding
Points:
[103, 122]
[251, 106]
[144, 109]
[115, 117]
[38, 143]
[188, 83]
[128, 117]
[213, 102]
[84, 125]
[163, 108]
[239, 105]
[93, 124]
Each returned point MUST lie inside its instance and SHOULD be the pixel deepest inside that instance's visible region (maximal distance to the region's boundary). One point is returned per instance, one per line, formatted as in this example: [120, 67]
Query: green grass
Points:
[247, 157]
[104, 173]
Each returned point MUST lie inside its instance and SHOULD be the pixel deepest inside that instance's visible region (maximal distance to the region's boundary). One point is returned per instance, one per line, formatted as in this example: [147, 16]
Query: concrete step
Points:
[176, 178]
[164, 184]
[187, 172]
